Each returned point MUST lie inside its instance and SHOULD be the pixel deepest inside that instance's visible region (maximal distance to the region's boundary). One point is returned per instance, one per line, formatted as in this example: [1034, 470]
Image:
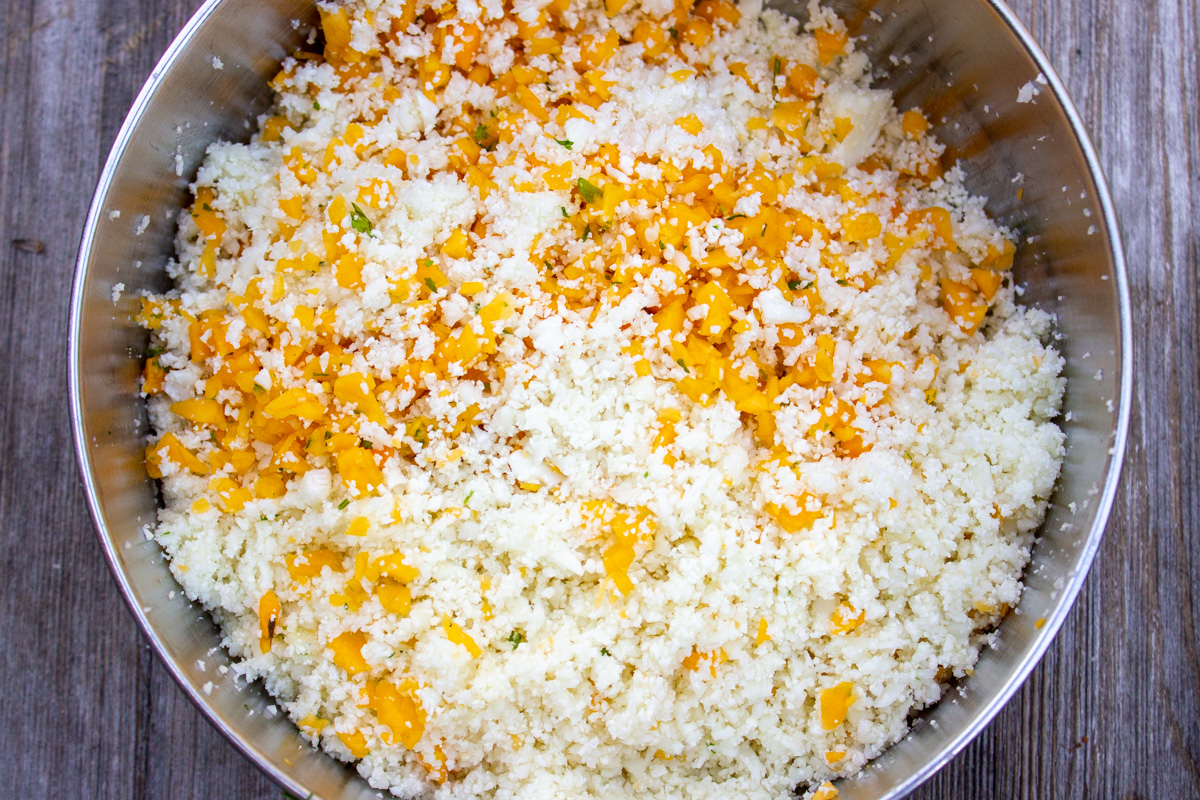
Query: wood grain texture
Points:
[1113, 711]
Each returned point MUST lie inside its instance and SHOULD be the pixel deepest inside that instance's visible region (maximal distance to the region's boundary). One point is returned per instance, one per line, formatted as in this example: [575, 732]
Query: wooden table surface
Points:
[1113, 711]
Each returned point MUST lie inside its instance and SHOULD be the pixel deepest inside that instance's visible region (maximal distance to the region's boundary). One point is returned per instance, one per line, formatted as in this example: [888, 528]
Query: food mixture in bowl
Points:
[596, 400]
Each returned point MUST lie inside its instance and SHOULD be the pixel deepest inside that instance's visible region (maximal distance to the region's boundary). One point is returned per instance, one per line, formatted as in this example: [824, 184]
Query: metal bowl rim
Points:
[74, 376]
[1016, 677]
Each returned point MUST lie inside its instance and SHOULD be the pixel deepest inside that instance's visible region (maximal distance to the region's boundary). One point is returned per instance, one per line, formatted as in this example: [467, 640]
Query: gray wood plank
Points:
[1113, 711]
[68, 675]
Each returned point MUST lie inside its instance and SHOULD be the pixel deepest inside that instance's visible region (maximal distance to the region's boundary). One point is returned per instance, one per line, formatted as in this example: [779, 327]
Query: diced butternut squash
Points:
[457, 635]
[966, 308]
[296, 402]
[394, 596]
[347, 652]
[355, 742]
[358, 470]
[400, 709]
[914, 124]
[846, 619]
[718, 12]
[826, 791]
[793, 521]
[861, 227]
[303, 567]
[268, 620]
[835, 703]
[169, 448]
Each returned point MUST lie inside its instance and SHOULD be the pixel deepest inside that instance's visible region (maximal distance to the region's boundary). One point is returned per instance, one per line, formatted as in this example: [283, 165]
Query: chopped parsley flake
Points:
[590, 191]
[359, 221]
[567, 143]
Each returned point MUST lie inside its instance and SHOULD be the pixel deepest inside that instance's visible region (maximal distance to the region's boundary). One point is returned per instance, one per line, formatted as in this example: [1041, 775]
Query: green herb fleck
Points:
[735, 216]
[604, 652]
[481, 134]
[432, 286]
[565, 143]
[679, 361]
[843, 282]
[674, 33]
[586, 233]
[646, 474]
[342, 505]
[316, 106]
[359, 221]
[795, 286]
[364, 444]
[563, 209]
[263, 518]
[589, 190]
[777, 66]
[516, 637]
[470, 494]
[427, 262]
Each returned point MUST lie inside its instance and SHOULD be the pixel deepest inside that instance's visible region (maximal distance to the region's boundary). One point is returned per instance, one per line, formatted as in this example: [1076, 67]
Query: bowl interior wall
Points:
[958, 60]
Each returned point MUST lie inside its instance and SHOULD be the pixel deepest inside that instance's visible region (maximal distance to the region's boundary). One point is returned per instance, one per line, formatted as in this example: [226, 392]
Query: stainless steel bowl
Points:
[967, 63]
